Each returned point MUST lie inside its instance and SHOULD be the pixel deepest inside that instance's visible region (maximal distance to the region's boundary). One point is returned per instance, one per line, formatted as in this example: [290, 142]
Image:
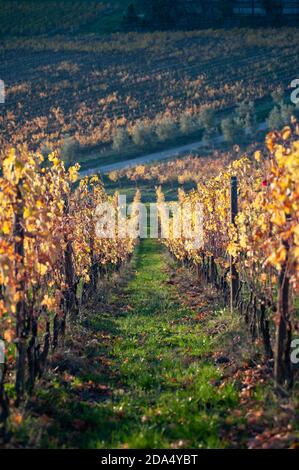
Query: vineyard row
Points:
[250, 249]
[50, 260]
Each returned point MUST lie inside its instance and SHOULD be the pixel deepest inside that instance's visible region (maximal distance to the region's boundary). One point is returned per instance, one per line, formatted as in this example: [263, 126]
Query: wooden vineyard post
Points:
[283, 372]
[70, 305]
[21, 318]
[234, 277]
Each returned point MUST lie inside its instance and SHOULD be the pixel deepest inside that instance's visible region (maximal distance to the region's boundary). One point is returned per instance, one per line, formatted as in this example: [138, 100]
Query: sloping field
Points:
[88, 87]
[36, 17]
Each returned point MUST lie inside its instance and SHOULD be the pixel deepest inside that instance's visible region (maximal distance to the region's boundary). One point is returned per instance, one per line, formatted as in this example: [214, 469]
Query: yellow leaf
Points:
[5, 228]
[73, 173]
[8, 335]
[258, 156]
[278, 218]
[286, 133]
[296, 235]
[27, 212]
[42, 268]
[49, 302]
[278, 257]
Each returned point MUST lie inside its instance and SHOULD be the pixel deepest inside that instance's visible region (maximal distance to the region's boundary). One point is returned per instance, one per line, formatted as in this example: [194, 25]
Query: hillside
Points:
[98, 100]
[35, 17]
[149, 229]
[42, 17]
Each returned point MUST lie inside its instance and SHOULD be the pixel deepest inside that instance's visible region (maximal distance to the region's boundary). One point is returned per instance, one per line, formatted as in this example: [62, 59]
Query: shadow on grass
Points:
[145, 377]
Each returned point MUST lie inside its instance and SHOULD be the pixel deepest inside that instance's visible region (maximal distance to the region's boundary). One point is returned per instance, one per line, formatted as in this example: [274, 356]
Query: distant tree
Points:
[246, 117]
[242, 123]
[273, 9]
[272, 6]
[121, 139]
[166, 129]
[131, 11]
[160, 13]
[187, 124]
[207, 118]
[226, 8]
[69, 150]
[287, 111]
[130, 16]
[282, 112]
[143, 135]
[207, 122]
[274, 120]
[278, 96]
[280, 116]
[232, 130]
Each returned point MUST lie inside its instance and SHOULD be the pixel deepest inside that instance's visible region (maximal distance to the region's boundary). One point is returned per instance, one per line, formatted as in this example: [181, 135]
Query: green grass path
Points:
[159, 371]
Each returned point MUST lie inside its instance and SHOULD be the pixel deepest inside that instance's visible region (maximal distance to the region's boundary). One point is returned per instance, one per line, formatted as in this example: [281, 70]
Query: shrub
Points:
[143, 135]
[280, 116]
[232, 130]
[286, 111]
[278, 96]
[246, 117]
[187, 124]
[274, 120]
[121, 139]
[207, 119]
[69, 150]
[166, 129]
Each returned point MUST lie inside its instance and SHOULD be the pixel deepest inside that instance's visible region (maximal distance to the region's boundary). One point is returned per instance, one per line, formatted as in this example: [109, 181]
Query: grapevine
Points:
[48, 246]
[263, 243]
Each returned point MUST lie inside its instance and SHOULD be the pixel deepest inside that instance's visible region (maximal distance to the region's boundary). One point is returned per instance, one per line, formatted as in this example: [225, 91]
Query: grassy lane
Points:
[161, 359]
[138, 371]
[148, 381]
[166, 398]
